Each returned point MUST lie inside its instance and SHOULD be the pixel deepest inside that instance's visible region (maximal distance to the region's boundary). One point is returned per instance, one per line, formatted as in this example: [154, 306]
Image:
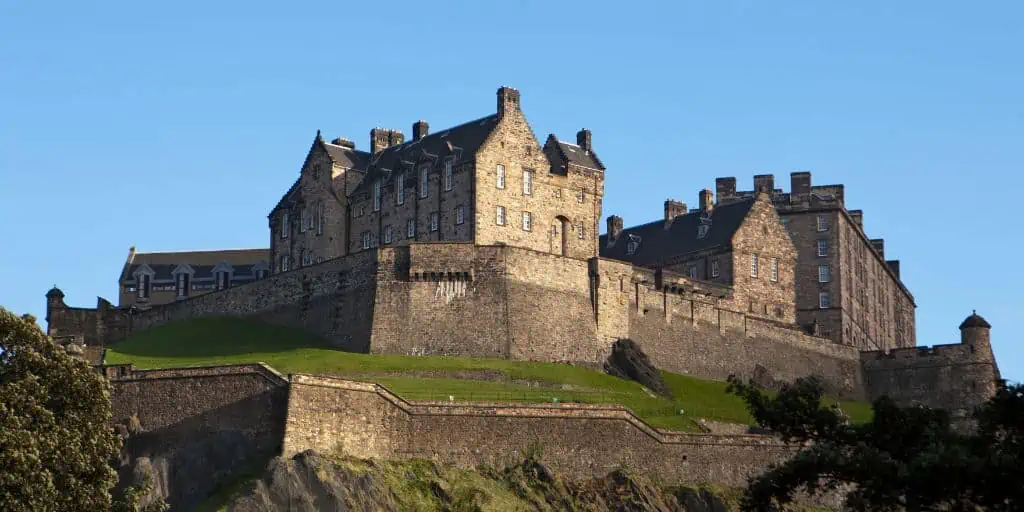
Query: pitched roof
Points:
[975, 320]
[347, 157]
[656, 244]
[163, 263]
[579, 156]
[466, 137]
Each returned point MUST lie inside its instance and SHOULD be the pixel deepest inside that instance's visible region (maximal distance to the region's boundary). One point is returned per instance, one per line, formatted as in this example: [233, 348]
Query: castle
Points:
[478, 240]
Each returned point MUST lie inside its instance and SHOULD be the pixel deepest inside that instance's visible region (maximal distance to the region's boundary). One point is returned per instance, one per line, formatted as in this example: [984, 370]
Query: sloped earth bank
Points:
[312, 482]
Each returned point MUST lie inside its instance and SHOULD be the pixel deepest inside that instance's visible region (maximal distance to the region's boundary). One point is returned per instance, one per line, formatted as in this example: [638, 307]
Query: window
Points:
[527, 221]
[283, 264]
[366, 239]
[316, 172]
[775, 269]
[753, 265]
[693, 272]
[823, 247]
[500, 183]
[387, 234]
[448, 174]
[433, 221]
[824, 275]
[702, 230]
[410, 228]
[714, 268]
[527, 182]
[400, 188]
[785, 221]
[558, 192]
[309, 219]
[460, 214]
[499, 216]
[303, 213]
[223, 280]
[261, 274]
[284, 225]
[824, 301]
[376, 196]
[182, 285]
[822, 223]
[581, 196]
[424, 174]
[143, 286]
[581, 234]
[320, 218]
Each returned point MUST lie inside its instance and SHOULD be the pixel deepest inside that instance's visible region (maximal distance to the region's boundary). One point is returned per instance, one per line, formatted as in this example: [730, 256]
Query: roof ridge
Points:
[410, 143]
[726, 205]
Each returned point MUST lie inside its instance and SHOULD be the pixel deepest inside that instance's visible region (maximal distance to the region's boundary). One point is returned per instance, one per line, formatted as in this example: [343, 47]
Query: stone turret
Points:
[975, 333]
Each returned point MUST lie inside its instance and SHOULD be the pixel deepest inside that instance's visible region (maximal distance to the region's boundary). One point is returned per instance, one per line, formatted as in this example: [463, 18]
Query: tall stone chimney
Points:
[614, 229]
[706, 200]
[508, 101]
[858, 218]
[673, 209]
[420, 129]
[799, 186]
[383, 138]
[583, 139]
[764, 183]
[725, 188]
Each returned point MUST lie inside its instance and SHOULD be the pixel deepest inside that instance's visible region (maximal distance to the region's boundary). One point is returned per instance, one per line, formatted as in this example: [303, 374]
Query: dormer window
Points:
[448, 174]
[714, 268]
[223, 280]
[181, 285]
[702, 231]
[261, 274]
[633, 245]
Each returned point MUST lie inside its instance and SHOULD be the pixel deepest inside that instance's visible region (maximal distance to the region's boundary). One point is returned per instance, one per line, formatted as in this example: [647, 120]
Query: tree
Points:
[903, 459]
[56, 446]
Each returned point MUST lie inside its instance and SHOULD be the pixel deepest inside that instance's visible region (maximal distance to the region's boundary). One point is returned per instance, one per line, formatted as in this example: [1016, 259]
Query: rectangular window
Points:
[182, 285]
[460, 214]
[500, 183]
[527, 182]
[410, 228]
[366, 239]
[387, 234]
[303, 213]
[714, 268]
[376, 196]
[693, 272]
[823, 247]
[558, 192]
[320, 218]
[753, 265]
[527, 224]
[448, 174]
[581, 233]
[775, 269]
[284, 225]
[824, 275]
[424, 174]
[581, 196]
[400, 188]
[433, 221]
[824, 301]
[309, 219]
[499, 216]
[143, 286]
[822, 223]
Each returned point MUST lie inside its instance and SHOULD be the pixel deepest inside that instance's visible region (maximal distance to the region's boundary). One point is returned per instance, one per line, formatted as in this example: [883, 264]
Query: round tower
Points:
[974, 332]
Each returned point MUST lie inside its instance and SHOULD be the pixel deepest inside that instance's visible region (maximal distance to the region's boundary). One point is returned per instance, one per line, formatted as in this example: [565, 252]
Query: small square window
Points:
[410, 228]
[460, 214]
[824, 301]
[822, 247]
[499, 216]
[500, 182]
[822, 223]
[527, 224]
[433, 221]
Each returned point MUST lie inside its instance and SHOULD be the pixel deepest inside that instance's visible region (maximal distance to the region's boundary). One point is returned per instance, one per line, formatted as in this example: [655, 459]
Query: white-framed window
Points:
[693, 272]
[824, 300]
[500, 180]
[376, 196]
[448, 173]
[527, 182]
[387, 234]
[822, 247]
[499, 216]
[320, 218]
[433, 221]
[775, 269]
[366, 239]
[284, 225]
[424, 175]
[822, 221]
[580, 232]
[527, 221]
[824, 274]
[460, 214]
[410, 228]
[714, 268]
[753, 265]
[400, 188]
[581, 196]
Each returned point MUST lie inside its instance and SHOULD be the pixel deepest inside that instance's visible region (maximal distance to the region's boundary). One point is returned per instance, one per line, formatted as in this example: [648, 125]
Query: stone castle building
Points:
[478, 240]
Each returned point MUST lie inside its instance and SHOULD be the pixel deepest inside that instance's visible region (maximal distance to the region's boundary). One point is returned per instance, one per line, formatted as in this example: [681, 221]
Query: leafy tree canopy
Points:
[56, 446]
[905, 458]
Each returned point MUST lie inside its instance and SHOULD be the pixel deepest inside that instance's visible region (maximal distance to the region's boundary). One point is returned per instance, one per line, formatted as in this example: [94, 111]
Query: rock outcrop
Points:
[628, 361]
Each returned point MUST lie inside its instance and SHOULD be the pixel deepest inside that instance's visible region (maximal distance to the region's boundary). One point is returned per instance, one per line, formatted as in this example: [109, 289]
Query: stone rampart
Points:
[366, 420]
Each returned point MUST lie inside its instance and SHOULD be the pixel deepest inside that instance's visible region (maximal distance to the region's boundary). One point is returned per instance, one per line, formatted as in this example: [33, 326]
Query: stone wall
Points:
[366, 420]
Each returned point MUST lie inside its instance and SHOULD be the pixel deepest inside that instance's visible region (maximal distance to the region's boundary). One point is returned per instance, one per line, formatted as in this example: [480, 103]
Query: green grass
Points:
[219, 341]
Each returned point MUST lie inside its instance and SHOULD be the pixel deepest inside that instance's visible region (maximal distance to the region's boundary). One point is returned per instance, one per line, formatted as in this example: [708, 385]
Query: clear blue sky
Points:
[178, 125]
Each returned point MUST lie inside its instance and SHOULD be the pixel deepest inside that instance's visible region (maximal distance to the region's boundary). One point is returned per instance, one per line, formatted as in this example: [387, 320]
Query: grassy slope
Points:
[216, 341]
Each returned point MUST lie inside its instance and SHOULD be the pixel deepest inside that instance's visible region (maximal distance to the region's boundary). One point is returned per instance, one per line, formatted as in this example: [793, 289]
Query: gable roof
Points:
[465, 138]
[576, 155]
[203, 262]
[657, 244]
[346, 157]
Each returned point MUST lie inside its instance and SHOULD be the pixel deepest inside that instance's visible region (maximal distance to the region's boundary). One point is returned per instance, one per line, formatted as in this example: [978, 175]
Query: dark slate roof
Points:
[202, 262]
[975, 320]
[658, 243]
[465, 138]
[347, 157]
[285, 199]
[578, 156]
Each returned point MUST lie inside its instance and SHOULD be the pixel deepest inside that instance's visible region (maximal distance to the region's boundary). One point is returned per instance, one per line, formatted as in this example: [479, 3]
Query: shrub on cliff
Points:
[55, 445]
[904, 459]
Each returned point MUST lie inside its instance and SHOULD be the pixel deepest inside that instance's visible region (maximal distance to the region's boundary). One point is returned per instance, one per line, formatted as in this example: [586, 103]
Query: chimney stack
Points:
[725, 188]
[706, 201]
[420, 129]
[383, 138]
[764, 183]
[879, 245]
[894, 266]
[614, 229]
[673, 209]
[799, 186]
[508, 101]
[343, 142]
[583, 139]
[858, 218]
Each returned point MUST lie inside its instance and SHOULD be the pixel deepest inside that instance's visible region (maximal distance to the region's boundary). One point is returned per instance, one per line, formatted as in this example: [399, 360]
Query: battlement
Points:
[802, 196]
